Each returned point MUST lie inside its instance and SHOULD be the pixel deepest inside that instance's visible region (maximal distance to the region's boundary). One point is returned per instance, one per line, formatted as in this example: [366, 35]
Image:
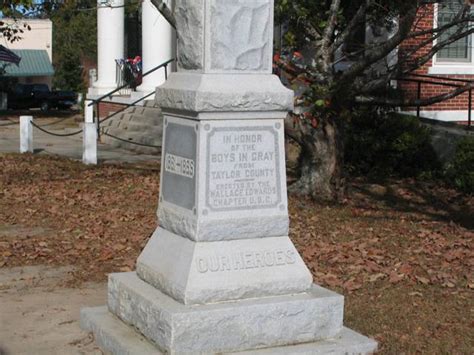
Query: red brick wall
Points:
[425, 21]
[87, 64]
[106, 109]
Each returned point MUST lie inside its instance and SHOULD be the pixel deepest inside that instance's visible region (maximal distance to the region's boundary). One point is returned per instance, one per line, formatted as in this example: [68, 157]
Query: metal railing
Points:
[106, 98]
[420, 79]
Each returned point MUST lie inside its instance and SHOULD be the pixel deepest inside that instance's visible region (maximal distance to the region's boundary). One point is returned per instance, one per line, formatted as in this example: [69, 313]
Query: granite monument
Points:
[220, 274]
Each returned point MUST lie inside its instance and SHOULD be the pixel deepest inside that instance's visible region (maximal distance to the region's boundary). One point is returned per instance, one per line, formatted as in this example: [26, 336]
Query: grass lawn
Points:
[401, 252]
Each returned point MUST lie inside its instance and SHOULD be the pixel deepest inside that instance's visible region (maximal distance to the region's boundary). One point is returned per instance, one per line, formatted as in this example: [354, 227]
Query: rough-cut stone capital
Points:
[217, 36]
[224, 93]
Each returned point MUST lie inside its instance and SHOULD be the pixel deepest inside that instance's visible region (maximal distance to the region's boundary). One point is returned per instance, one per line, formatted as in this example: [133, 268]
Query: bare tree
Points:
[342, 71]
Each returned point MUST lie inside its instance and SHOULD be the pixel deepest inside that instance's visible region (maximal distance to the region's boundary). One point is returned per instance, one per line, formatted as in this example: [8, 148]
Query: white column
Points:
[26, 134]
[158, 45]
[110, 43]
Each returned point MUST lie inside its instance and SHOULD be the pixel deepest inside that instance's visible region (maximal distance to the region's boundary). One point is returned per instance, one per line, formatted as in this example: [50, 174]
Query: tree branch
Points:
[358, 18]
[420, 61]
[373, 56]
[328, 35]
[165, 12]
[442, 28]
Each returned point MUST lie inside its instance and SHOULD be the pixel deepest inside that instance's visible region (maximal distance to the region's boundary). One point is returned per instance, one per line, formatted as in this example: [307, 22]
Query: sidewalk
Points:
[70, 147]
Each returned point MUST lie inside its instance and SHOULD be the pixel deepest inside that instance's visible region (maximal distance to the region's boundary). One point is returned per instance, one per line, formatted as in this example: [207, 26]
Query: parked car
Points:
[26, 96]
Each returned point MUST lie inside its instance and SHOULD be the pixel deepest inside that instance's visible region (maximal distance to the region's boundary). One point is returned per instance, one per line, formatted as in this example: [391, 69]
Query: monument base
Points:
[312, 319]
[118, 338]
[210, 272]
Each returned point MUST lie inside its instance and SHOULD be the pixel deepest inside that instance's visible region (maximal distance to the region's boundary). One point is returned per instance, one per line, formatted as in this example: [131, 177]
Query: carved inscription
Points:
[243, 168]
[246, 260]
[179, 165]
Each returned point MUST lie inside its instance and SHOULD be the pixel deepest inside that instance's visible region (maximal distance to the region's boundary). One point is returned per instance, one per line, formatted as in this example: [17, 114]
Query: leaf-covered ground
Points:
[401, 253]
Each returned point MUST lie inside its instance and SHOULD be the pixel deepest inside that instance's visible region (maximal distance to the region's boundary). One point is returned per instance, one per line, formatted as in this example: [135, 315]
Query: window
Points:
[459, 51]
[457, 57]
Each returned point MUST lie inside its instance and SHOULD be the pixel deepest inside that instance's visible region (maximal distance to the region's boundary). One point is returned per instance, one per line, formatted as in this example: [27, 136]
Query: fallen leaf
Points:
[395, 278]
[376, 277]
[448, 284]
[422, 280]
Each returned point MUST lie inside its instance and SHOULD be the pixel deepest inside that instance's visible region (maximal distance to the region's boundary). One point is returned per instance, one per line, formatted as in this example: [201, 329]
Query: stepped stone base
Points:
[202, 273]
[140, 124]
[171, 327]
[114, 336]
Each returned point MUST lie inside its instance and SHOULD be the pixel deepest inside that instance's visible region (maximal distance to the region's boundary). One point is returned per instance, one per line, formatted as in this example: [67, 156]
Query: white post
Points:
[89, 145]
[158, 45]
[88, 112]
[26, 134]
[110, 43]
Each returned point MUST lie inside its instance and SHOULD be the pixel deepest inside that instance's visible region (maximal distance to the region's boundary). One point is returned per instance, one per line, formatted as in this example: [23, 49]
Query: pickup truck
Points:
[26, 96]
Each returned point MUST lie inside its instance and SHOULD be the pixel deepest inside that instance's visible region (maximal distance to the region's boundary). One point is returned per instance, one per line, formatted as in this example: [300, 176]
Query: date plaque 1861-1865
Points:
[179, 168]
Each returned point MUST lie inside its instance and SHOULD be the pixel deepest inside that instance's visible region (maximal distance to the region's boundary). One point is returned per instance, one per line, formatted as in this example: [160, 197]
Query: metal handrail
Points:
[442, 82]
[165, 65]
[102, 98]
[466, 81]
[124, 108]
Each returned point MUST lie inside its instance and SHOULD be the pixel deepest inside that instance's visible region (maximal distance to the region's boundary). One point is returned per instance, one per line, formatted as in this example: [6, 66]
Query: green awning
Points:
[34, 62]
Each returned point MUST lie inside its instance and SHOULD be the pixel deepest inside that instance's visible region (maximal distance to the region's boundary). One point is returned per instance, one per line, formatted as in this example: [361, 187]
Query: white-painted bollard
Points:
[89, 152]
[26, 134]
[88, 111]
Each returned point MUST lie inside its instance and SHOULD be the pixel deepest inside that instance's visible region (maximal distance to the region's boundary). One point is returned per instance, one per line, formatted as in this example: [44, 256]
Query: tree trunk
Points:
[321, 163]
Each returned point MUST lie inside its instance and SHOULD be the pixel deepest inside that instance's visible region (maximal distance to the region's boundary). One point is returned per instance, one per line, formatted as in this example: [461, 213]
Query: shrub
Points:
[382, 144]
[460, 171]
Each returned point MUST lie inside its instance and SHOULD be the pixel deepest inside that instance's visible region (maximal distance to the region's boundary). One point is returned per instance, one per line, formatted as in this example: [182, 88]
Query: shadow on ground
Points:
[425, 199]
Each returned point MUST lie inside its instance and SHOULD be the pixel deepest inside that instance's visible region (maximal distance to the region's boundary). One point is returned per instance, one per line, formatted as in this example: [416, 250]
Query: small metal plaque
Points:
[179, 171]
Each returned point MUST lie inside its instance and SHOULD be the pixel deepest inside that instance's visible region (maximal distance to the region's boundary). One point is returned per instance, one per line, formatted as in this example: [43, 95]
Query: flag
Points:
[7, 55]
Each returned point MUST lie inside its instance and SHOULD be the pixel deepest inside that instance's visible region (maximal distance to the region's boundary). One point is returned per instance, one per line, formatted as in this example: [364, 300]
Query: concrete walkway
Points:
[39, 316]
[70, 147]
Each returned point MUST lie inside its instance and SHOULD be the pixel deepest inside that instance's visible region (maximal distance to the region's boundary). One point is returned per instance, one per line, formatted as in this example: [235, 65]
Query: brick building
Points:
[455, 61]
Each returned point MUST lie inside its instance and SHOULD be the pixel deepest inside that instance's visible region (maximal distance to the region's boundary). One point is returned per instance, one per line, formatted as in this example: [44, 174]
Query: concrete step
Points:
[144, 128]
[142, 124]
[153, 140]
[131, 147]
[150, 103]
[152, 121]
[137, 109]
[150, 139]
[152, 112]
